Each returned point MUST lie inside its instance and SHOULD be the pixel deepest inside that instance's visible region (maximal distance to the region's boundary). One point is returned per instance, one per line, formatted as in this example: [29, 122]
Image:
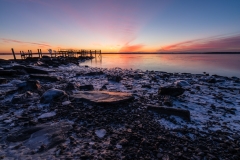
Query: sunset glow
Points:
[120, 26]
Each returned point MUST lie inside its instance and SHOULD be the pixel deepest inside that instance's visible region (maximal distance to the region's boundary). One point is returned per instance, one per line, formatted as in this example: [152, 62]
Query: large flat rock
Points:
[102, 97]
[49, 135]
[185, 114]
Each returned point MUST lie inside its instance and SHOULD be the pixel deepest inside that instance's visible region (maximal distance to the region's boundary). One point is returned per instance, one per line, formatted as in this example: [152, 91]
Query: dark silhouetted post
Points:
[40, 52]
[13, 54]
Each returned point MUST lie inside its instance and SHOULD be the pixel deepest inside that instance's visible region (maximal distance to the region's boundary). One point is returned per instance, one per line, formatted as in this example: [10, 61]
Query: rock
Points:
[17, 67]
[53, 94]
[146, 86]
[8, 90]
[30, 85]
[100, 133]
[49, 135]
[115, 78]
[138, 76]
[3, 80]
[44, 77]
[70, 86]
[118, 146]
[37, 70]
[7, 72]
[171, 90]
[170, 111]
[102, 97]
[47, 115]
[94, 73]
[168, 101]
[212, 80]
[123, 142]
[19, 98]
[104, 87]
[181, 83]
[88, 87]
[66, 103]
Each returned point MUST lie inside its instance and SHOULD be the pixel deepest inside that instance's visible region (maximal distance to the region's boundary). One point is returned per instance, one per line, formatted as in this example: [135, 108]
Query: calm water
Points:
[221, 64]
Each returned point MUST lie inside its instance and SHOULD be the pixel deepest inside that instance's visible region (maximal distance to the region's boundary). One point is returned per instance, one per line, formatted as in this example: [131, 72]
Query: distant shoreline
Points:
[148, 53]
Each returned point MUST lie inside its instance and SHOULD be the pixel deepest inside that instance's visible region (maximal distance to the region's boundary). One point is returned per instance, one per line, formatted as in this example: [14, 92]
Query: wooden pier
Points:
[62, 53]
[77, 53]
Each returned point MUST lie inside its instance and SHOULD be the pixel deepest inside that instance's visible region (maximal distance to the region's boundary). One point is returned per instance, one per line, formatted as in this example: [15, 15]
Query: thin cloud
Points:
[131, 48]
[227, 43]
[25, 43]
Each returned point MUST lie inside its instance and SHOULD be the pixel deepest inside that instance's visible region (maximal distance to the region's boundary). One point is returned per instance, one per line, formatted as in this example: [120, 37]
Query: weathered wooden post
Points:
[95, 54]
[40, 52]
[14, 55]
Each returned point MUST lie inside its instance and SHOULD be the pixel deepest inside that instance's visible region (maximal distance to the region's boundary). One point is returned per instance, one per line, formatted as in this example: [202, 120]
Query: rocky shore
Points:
[56, 108]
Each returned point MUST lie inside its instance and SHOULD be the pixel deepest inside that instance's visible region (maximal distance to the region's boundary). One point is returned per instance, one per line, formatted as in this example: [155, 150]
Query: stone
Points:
[50, 135]
[3, 80]
[70, 86]
[146, 86]
[102, 97]
[37, 70]
[94, 73]
[168, 102]
[47, 115]
[171, 90]
[45, 77]
[29, 85]
[181, 83]
[53, 94]
[19, 98]
[212, 80]
[185, 114]
[7, 72]
[101, 133]
[88, 87]
[115, 78]
[104, 87]
[123, 142]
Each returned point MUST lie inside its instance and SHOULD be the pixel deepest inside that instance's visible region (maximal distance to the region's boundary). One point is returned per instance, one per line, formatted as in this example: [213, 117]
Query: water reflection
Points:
[221, 64]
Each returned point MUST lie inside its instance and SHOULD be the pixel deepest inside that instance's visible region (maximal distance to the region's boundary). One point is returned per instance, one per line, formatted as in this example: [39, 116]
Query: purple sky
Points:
[120, 25]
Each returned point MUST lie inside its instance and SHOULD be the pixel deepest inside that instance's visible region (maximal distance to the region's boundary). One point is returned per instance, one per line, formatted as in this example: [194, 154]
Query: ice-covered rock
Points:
[101, 133]
[47, 115]
[118, 146]
[181, 83]
[52, 94]
[66, 103]
[49, 135]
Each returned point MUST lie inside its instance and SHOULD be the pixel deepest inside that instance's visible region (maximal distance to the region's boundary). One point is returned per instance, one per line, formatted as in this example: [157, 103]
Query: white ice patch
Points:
[47, 115]
[118, 146]
[15, 82]
[100, 133]
[181, 83]
[66, 103]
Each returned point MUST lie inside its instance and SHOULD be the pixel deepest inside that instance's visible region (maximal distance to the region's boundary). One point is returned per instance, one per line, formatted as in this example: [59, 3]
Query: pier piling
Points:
[14, 56]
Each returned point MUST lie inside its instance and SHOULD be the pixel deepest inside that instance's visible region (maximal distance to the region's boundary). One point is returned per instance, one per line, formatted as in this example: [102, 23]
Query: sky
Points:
[120, 25]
